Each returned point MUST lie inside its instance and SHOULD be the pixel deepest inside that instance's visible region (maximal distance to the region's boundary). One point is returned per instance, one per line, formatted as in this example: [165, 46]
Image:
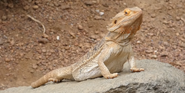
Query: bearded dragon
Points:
[108, 56]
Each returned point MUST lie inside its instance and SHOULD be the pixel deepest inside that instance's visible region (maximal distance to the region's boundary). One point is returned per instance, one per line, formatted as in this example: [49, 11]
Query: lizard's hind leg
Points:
[55, 76]
[62, 73]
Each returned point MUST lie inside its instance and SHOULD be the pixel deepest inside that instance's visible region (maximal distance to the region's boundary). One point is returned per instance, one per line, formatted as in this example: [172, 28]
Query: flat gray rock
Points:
[158, 77]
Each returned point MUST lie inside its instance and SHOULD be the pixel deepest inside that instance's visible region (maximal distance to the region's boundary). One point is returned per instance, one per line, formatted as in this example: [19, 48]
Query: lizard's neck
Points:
[117, 38]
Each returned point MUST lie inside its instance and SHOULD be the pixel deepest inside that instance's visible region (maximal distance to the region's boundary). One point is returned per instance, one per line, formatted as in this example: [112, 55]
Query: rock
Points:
[37, 2]
[182, 45]
[101, 13]
[4, 18]
[149, 51]
[58, 37]
[35, 7]
[43, 40]
[44, 50]
[98, 17]
[166, 43]
[21, 54]
[64, 7]
[105, 4]
[34, 66]
[89, 2]
[26, 7]
[153, 15]
[7, 59]
[152, 56]
[80, 27]
[138, 42]
[12, 42]
[177, 34]
[158, 77]
[165, 22]
[93, 36]
[178, 18]
[97, 11]
[96, 32]
[164, 54]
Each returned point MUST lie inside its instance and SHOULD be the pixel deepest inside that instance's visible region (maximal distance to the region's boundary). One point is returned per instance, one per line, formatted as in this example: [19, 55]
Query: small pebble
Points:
[43, 40]
[35, 7]
[166, 43]
[182, 45]
[98, 11]
[101, 13]
[44, 50]
[98, 17]
[96, 32]
[89, 2]
[7, 59]
[149, 51]
[93, 36]
[4, 18]
[12, 42]
[80, 27]
[178, 18]
[153, 15]
[153, 56]
[138, 42]
[164, 54]
[165, 22]
[58, 37]
[34, 66]
[26, 7]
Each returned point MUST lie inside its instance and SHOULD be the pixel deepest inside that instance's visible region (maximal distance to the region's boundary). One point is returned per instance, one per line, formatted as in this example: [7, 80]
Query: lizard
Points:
[108, 56]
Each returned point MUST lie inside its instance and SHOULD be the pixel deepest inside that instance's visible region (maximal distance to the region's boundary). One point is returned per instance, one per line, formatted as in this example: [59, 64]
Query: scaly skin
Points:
[108, 56]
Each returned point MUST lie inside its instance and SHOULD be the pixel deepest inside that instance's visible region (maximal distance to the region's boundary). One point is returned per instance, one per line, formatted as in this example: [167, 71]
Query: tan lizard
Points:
[108, 56]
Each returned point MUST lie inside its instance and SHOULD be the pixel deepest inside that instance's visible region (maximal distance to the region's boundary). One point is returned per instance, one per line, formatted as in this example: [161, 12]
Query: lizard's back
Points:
[89, 55]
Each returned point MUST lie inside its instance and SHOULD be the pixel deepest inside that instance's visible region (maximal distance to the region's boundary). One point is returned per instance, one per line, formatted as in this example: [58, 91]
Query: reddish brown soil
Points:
[25, 55]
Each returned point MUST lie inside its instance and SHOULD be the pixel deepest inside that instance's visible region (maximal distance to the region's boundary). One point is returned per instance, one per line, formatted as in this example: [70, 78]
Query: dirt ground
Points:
[73, 26]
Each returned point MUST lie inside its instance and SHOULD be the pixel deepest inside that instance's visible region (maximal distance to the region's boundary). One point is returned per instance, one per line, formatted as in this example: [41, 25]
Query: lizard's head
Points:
[126, 22]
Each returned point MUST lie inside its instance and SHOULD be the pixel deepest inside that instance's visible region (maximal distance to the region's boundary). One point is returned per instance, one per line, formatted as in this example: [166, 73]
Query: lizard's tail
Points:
[55, 75]
[44, 79]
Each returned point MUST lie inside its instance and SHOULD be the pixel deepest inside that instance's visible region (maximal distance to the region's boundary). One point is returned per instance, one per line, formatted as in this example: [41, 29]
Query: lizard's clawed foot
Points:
[55, 80]
[111, 76]
[137, 69]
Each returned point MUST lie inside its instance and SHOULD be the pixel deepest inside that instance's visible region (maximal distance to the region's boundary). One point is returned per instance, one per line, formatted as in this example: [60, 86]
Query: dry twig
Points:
[44, 31]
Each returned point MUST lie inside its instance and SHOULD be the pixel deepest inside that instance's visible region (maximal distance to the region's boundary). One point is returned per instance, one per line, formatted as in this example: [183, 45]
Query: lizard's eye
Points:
[115, 21]
[127, 11]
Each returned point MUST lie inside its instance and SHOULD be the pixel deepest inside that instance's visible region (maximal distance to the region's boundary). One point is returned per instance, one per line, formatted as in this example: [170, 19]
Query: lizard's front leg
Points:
[133, 65]
[104, 70]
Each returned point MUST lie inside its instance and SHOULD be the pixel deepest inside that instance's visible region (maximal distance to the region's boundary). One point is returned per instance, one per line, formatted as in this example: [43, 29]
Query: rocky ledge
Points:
[158, 77]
